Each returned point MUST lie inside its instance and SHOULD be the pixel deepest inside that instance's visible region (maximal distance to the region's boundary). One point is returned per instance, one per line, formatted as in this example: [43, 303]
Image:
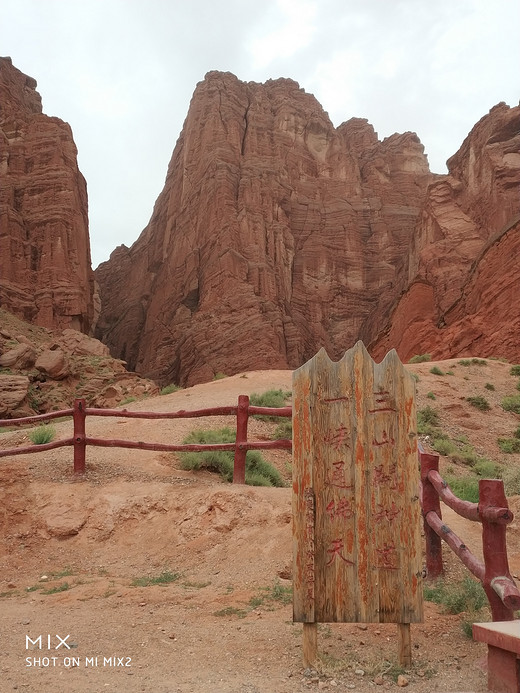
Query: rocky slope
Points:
[46, 275]
[275, 234]
[43, 370]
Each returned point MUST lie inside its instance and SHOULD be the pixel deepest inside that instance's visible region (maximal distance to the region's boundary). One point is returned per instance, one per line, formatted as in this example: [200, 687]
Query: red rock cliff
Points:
[46, 275]
[275, 234]
[463, 290]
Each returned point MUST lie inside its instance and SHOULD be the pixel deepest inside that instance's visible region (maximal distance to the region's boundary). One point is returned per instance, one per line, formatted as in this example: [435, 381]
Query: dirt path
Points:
[221, 620]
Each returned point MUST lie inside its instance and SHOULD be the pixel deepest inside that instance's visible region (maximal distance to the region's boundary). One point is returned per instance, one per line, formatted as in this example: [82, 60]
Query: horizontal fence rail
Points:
[492, 509]
[80, 440]
[494, 514]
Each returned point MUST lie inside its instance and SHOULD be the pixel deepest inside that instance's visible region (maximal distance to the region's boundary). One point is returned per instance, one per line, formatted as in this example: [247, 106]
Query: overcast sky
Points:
[122, 73]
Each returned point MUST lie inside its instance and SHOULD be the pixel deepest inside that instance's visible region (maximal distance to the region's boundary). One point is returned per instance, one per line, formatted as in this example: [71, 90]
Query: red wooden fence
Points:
[494, 514]
[491, 510]
[80, 440]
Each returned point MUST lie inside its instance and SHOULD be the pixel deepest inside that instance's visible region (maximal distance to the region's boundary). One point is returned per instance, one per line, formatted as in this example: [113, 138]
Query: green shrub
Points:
[170, 388]
[436, 371]
[259, 472]
[479, 402]
[128, 400]
[517, 433]
[420, 358]
[465, 362]
[431, 395]
[231, 611]
[490, 386]
[465, 455]
[283, 430]
[277, 593]
[515, 370]
[511, 477]
[427, 417]
[63, 587]
[272, 398]
[42, 434]
[465, 596]
[509, 445]
[486, 469]
[473, 362]
[511, 403]
[258, 468]
[165, 578]
[445, 447]
[219, 376]
[465, 488]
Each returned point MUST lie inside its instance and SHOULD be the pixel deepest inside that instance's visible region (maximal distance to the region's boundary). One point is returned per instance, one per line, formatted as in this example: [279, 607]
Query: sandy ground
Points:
[71, 550]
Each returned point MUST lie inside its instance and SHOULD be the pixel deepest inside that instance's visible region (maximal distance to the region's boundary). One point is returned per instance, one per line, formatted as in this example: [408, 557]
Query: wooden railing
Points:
[79, 440]
[492, 509]
[493, 512]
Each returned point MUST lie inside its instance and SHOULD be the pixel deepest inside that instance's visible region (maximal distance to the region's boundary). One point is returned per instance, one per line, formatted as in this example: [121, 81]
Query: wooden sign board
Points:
[356, 513]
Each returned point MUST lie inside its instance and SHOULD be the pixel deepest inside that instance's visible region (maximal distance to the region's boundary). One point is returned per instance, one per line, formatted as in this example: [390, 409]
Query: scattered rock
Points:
[402, 681]
[53, 363]
[19, 357]
[75, 342]
[64, 520]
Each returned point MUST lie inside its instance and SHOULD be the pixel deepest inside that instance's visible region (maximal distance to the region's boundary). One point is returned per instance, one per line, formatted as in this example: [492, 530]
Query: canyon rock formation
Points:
[46, 275]
[463, 288]
[275, 234]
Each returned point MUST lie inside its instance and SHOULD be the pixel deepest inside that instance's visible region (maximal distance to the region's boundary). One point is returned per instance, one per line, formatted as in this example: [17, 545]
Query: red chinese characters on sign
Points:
[387, 558]
[335, 551]
[338, 438]
[340, 509]
[387, 514]
[382, 402]
[310, 544]
[336, 475]
[386, 478]
[384, 440]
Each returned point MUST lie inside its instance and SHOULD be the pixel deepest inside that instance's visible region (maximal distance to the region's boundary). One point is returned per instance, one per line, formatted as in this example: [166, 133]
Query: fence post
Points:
[494, 549]
[78, 417]
[431, 503]
[239, 468]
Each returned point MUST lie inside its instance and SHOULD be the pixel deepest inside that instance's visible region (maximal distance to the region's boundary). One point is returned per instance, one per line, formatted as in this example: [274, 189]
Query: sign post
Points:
[356, 513]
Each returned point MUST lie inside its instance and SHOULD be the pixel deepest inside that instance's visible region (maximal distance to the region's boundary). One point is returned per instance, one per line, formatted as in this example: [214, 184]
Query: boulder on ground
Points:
[53, 363]
[19, 357]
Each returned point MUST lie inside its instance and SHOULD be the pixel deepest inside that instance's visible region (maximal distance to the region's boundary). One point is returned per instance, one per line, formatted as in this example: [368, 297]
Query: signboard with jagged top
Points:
[356, 511]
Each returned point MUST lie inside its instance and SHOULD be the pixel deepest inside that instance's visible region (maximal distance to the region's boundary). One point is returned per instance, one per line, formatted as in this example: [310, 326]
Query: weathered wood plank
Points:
[357, 554]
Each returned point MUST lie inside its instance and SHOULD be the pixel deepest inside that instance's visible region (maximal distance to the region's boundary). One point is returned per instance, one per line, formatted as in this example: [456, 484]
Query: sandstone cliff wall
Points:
[275, 234]
[45, 268]
[463, 290]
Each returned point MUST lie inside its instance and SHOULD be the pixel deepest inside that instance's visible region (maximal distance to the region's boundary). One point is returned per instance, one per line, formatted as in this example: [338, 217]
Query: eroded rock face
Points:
[13, 392]
[46, 275]
[463, 291]
[276, 234]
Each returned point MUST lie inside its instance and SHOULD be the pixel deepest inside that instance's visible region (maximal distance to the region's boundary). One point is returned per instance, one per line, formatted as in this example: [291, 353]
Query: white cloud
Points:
[287, 29]
[122, 73]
